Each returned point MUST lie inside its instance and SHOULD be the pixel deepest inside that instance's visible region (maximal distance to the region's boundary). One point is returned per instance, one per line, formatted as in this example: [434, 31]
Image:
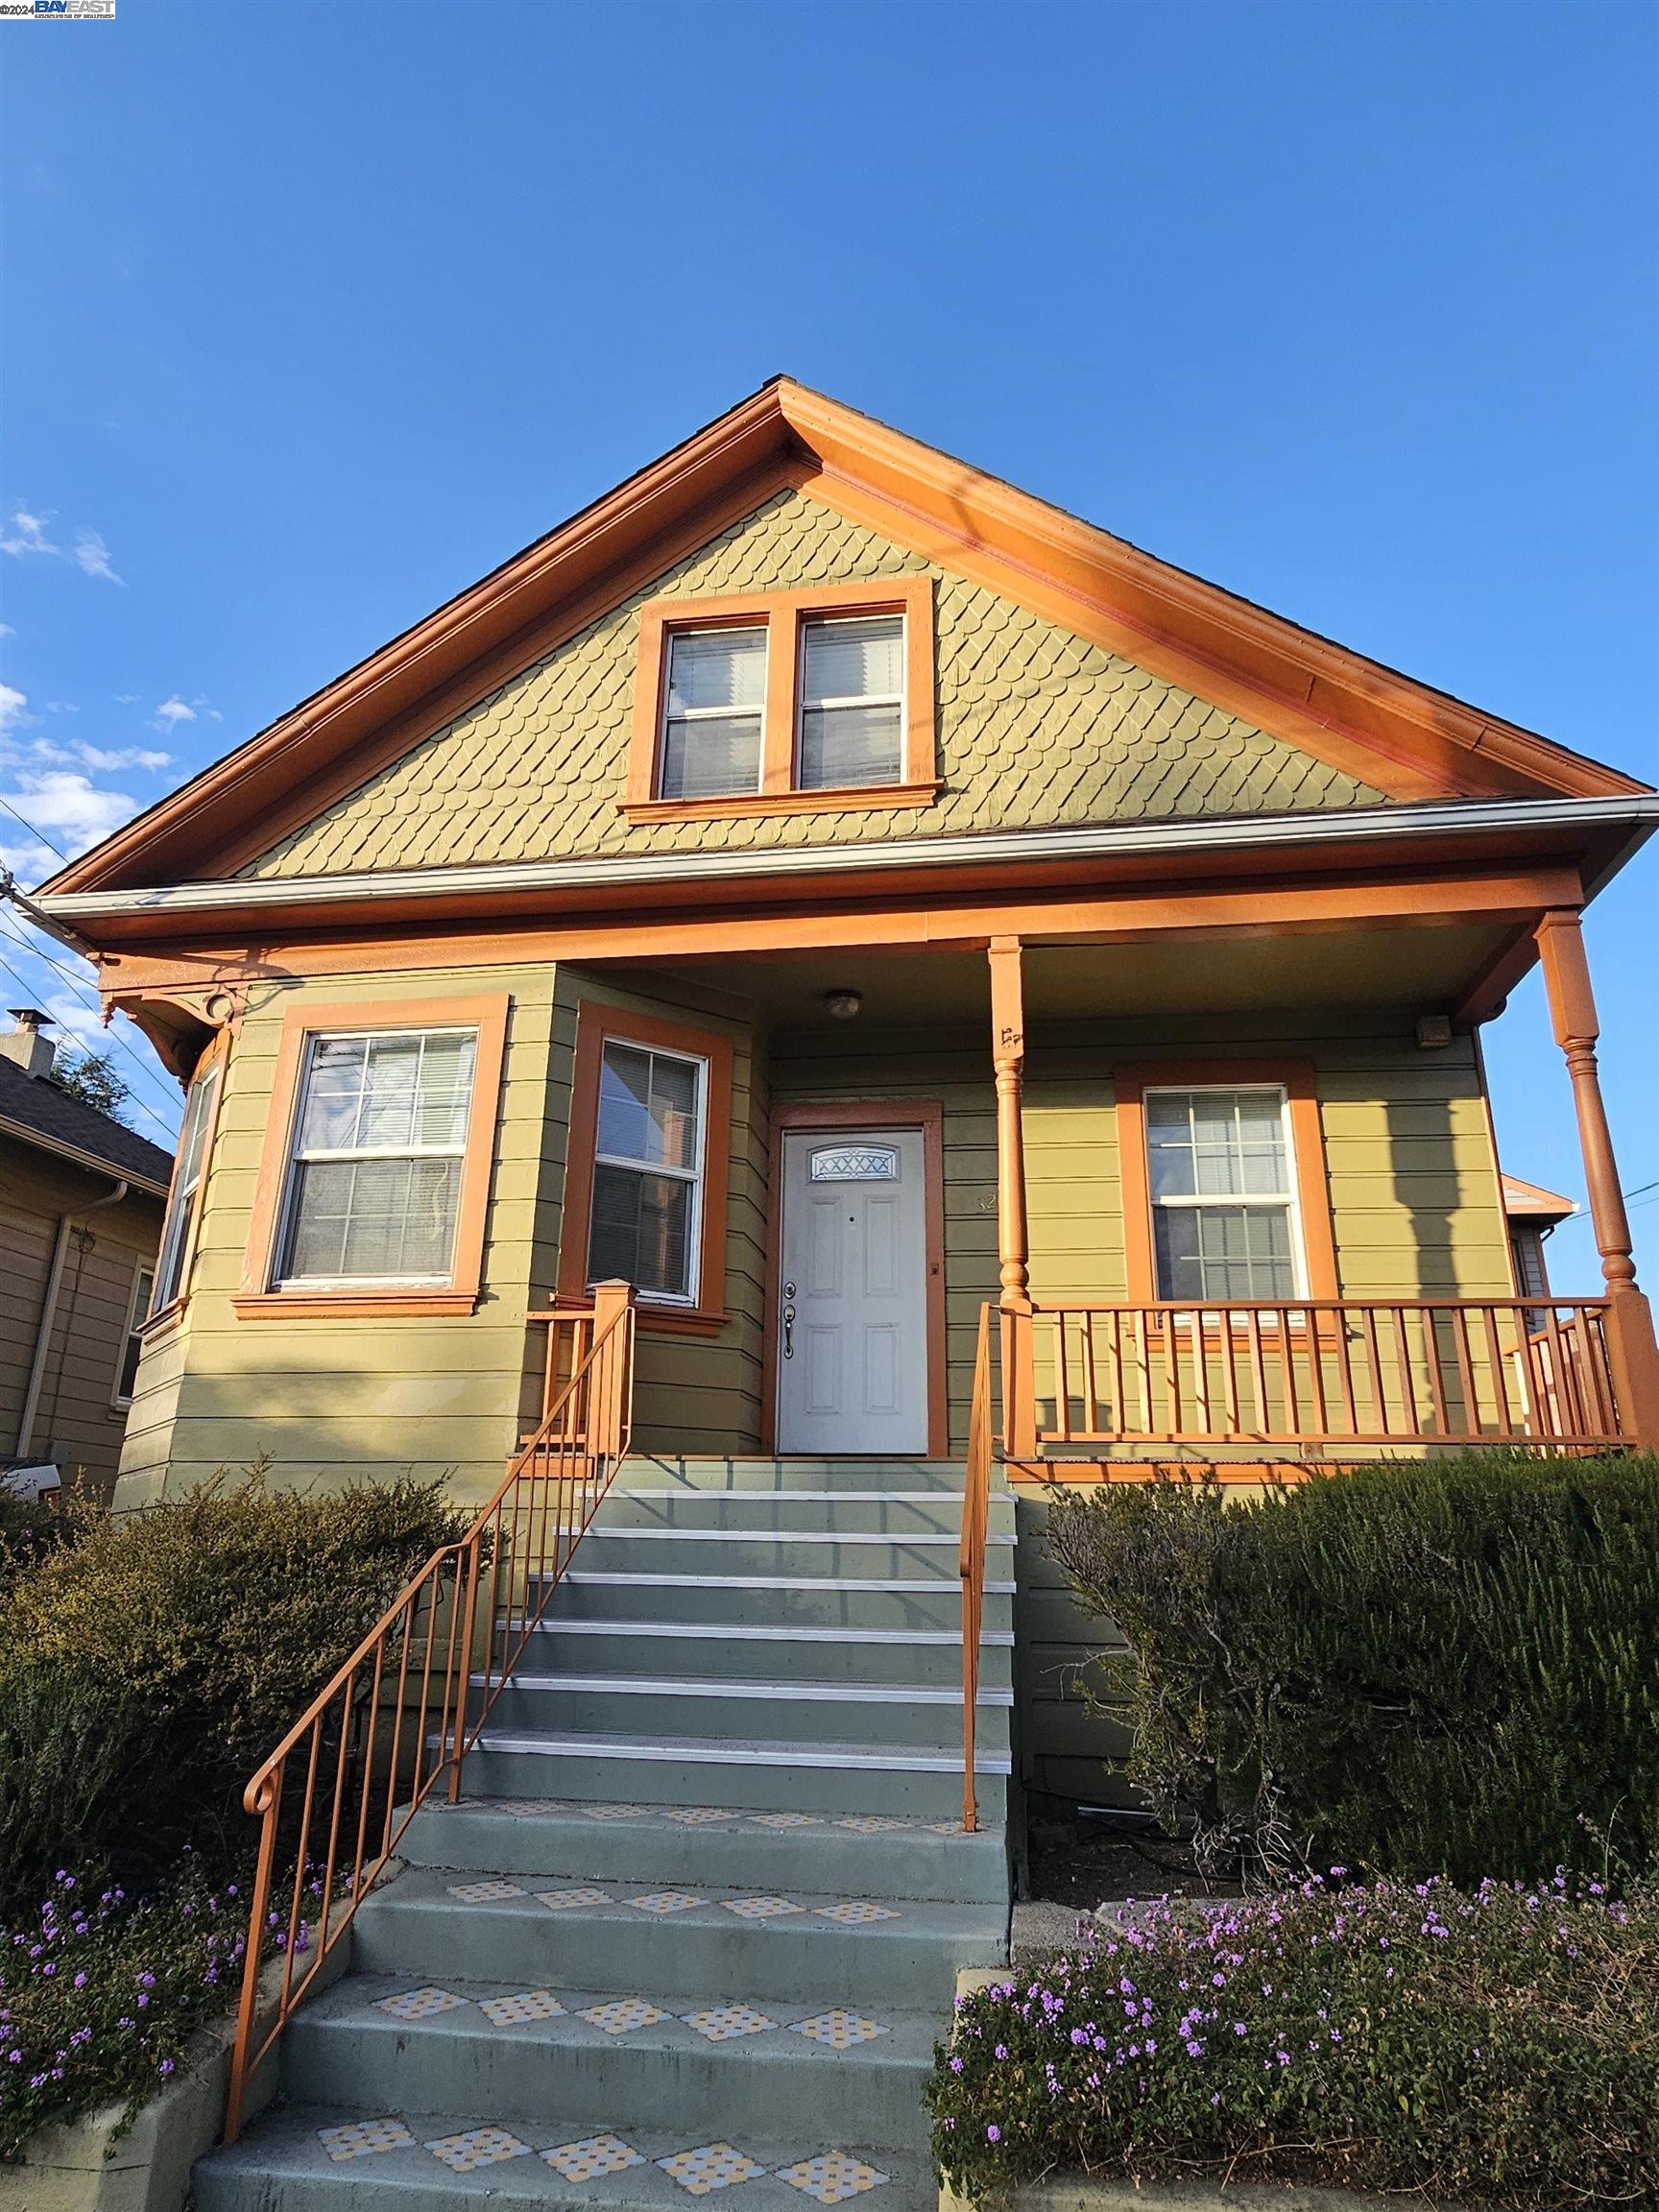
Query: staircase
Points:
[695, 1924]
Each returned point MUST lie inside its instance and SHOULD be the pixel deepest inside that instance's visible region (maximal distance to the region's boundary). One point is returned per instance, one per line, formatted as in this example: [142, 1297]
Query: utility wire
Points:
[81, 983]
[143, 1105]
[39, 835]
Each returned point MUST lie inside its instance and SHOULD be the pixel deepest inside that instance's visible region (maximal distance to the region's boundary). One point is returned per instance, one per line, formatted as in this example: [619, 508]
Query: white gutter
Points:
[1174, 841]
[49, 1314]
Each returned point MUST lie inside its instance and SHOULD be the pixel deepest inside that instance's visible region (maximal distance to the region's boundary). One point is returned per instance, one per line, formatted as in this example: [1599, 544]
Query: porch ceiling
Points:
[1423, 969]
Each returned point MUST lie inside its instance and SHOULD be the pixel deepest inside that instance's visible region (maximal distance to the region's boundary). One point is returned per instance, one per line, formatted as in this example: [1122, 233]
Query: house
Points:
[1533, 1215]
[81, 1200]
[907, 966]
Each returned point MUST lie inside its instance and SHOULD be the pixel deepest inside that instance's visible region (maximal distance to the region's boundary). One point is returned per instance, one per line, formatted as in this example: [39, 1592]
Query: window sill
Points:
[351, 1304]
[739, 806]
[163, 1323]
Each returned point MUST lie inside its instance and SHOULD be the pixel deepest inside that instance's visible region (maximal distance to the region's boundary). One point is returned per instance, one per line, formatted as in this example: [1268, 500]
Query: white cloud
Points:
[124, 698]
[171, 712]
[61, 806]
[7, 631]
[92, 555]
[14, 709]
[111, 760]
[28, 535]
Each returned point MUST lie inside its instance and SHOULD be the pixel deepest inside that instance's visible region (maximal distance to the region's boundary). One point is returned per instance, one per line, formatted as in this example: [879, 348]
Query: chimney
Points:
[25, 1044]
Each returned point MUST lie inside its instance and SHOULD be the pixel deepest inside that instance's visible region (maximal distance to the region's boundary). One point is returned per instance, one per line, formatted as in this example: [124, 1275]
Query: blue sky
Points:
[314, 310]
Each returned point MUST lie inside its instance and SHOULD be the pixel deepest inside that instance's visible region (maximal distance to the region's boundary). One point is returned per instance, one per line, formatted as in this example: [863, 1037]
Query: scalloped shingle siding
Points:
[1036, 728]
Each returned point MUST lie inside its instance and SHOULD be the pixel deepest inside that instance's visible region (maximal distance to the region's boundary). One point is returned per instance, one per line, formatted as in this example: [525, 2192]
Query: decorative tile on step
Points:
[362, 2138]
[760, 1908]
[700, 1816]
[622, 2014]
[516, 2011]
[484, 1892]
[617, 1812]
[419, 2004]
[855, 1914]
[838, 2028]
[571, 1900]
[660, 1901]
[832, 2178]
[711, 2167]
[593, 2158]
[719, 2023]
[782, 1822]
[476, 2147]
[872, 1823]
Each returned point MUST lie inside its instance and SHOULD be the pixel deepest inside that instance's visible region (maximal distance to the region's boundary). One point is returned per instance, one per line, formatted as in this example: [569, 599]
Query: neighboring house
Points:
[80, 1201]
[1533, 1213]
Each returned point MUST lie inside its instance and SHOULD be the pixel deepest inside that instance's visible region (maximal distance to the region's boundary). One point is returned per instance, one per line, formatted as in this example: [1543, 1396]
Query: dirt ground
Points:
[1080, 1863]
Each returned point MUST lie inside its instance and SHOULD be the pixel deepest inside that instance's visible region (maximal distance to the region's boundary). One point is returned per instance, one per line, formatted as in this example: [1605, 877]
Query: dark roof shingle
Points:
[36, 1104]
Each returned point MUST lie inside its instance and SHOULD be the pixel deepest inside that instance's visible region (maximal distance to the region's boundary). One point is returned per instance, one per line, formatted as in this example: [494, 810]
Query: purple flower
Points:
[993, 2133]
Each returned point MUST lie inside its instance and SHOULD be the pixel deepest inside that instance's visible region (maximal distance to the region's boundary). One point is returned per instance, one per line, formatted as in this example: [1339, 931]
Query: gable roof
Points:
[1405, 739]
[1531, 1202]
[37, 1111]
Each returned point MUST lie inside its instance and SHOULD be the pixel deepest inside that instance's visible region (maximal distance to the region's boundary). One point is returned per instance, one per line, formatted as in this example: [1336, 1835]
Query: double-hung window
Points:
[714, 713]
[183, 1200]
[852, 702]
[1223, 1189]
[375, 1170]
[784, 700]
[133, 1339]
[648, 1163]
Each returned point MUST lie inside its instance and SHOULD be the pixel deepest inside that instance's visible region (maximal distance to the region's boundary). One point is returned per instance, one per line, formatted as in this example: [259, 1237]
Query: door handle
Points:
[789, 1331]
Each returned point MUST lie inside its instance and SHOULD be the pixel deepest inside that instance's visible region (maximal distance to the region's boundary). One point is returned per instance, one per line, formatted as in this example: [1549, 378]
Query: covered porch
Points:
[1222, 1192]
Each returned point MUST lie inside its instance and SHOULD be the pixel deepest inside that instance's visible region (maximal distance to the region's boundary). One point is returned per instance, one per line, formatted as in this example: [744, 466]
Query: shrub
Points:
[1498, 2047]
[100, 1994]
[149, 1666]
[1430, 1667]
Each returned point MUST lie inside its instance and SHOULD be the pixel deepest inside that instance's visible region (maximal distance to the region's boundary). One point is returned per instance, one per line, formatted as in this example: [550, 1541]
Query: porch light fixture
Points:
[842, 1005]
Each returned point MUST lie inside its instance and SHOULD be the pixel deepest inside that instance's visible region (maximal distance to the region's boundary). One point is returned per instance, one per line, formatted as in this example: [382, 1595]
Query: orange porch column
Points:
[1630, 1343]
[1013, 1243]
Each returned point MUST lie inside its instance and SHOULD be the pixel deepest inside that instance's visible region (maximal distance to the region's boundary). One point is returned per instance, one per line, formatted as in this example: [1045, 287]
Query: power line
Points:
[81, 983]
[143, 1105]
[39, 835]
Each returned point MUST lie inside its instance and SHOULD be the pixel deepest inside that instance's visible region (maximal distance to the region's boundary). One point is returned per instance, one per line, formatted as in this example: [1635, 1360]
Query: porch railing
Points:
[337, 1794]
[975, 1517]
[1324, 1373]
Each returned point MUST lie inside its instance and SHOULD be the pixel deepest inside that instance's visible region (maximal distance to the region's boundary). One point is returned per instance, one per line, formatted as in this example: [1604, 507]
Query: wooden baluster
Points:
[1459, 1322]
[1287, 1370]
[1344, 1352]
[1119, 1409]
[1144, 1371]
[1258, 1376]
[1230, 1373]
[1381, 1422]
[1498, 1363]
[1315, 1370]
[1200, 1372]
[1061, 1429]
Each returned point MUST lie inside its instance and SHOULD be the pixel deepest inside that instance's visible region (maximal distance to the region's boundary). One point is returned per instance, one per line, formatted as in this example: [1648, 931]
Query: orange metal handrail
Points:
[975, 1515]
[1327, 1372]
[395, 1718]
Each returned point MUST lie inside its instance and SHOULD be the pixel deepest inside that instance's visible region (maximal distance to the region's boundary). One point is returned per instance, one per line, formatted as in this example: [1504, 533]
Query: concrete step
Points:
[880, 1714]
[868, 1555]
[651, 1589]
[743, 1650]
[895, 1513]
[431, 1924]
[652, 2060]
[813, 1777]
[837, 1854]
[283, 2164]
[646, 1472]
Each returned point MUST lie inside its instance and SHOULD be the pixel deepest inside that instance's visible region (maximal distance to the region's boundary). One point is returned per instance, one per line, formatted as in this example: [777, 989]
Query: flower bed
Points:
[1498, 2046]
[100, 1995]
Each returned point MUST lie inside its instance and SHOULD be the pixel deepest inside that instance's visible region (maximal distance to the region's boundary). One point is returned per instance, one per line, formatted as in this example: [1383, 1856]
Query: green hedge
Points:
[1498, 2047]
[151, 1662]
[1423, 1667]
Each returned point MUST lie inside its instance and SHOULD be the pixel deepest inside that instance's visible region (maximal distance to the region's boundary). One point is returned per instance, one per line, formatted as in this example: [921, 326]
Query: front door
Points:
[851, 1293]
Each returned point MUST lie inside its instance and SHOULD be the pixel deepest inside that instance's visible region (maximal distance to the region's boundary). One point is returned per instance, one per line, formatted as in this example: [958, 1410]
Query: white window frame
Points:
[293, 1159]
[711, 714]
[899, 698]
[1291, 1202]
[138, 1313]
[695, 1175]
[180, 1222]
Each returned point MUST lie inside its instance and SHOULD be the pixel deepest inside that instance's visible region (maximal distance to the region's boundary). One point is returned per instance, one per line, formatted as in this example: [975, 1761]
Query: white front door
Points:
[853, 1293]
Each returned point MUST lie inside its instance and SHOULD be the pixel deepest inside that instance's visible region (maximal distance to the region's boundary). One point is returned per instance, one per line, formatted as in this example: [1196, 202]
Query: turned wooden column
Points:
[1630, 1343]
[1012, 1242]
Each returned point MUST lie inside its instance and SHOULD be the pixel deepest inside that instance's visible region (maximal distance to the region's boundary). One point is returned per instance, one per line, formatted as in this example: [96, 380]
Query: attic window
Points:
[785, 702]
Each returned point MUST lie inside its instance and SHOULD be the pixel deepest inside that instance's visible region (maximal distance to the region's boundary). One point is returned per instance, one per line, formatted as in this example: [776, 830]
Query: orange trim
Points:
[214, 1054]
[1134, 1080]
[259, 1300]
[927, 1114]
[598, 1024]
[781, 614]
[1403, 736]
[1037, 1472]
[834, 912]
